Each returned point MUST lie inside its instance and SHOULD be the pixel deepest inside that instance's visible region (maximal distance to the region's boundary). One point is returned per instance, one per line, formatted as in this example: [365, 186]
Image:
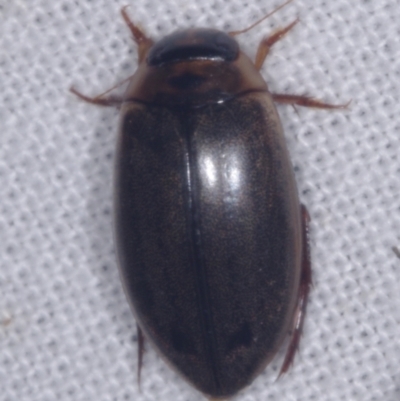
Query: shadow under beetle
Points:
[210, 235]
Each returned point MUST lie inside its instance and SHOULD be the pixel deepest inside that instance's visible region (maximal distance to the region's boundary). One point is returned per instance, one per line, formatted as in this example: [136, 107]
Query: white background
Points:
[66, 331]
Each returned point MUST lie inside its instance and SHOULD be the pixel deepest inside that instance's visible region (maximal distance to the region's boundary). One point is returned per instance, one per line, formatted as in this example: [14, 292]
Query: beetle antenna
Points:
[234, 33]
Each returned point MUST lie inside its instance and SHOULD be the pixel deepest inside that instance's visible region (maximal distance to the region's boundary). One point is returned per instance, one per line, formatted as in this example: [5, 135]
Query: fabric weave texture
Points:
[66, 330]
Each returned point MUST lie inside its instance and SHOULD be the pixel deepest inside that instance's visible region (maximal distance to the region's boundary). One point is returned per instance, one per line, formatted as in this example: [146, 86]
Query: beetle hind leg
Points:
[305, 101]
[304, 290]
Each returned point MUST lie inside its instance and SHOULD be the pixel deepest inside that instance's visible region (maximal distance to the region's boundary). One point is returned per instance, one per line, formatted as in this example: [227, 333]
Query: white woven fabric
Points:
[66, 331]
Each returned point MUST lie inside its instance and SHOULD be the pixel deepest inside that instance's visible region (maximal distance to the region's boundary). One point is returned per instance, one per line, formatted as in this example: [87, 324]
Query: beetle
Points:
[210, 234]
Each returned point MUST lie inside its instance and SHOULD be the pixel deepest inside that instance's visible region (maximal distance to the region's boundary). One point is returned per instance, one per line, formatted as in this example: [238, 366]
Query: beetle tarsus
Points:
[304, 290]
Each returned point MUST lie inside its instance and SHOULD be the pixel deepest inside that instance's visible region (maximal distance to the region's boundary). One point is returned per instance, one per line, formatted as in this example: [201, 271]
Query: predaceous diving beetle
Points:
[210, 235]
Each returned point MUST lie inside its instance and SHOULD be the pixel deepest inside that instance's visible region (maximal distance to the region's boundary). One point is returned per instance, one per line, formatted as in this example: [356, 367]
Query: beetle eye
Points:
[193, 44]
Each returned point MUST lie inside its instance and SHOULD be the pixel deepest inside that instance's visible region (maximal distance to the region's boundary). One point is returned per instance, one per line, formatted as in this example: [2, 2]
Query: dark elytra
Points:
[210, 234]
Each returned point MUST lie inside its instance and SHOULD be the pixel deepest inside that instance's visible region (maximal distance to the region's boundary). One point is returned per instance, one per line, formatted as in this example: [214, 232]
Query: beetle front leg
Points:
[304, 290]
[265, 45]
[262, 52]
[143, 42]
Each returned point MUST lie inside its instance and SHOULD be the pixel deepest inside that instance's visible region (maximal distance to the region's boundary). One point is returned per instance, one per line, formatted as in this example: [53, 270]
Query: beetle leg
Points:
[304, 289]
[100, 100]
[143, 42]
[306, 101]
[265, 45]
[140, 338]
